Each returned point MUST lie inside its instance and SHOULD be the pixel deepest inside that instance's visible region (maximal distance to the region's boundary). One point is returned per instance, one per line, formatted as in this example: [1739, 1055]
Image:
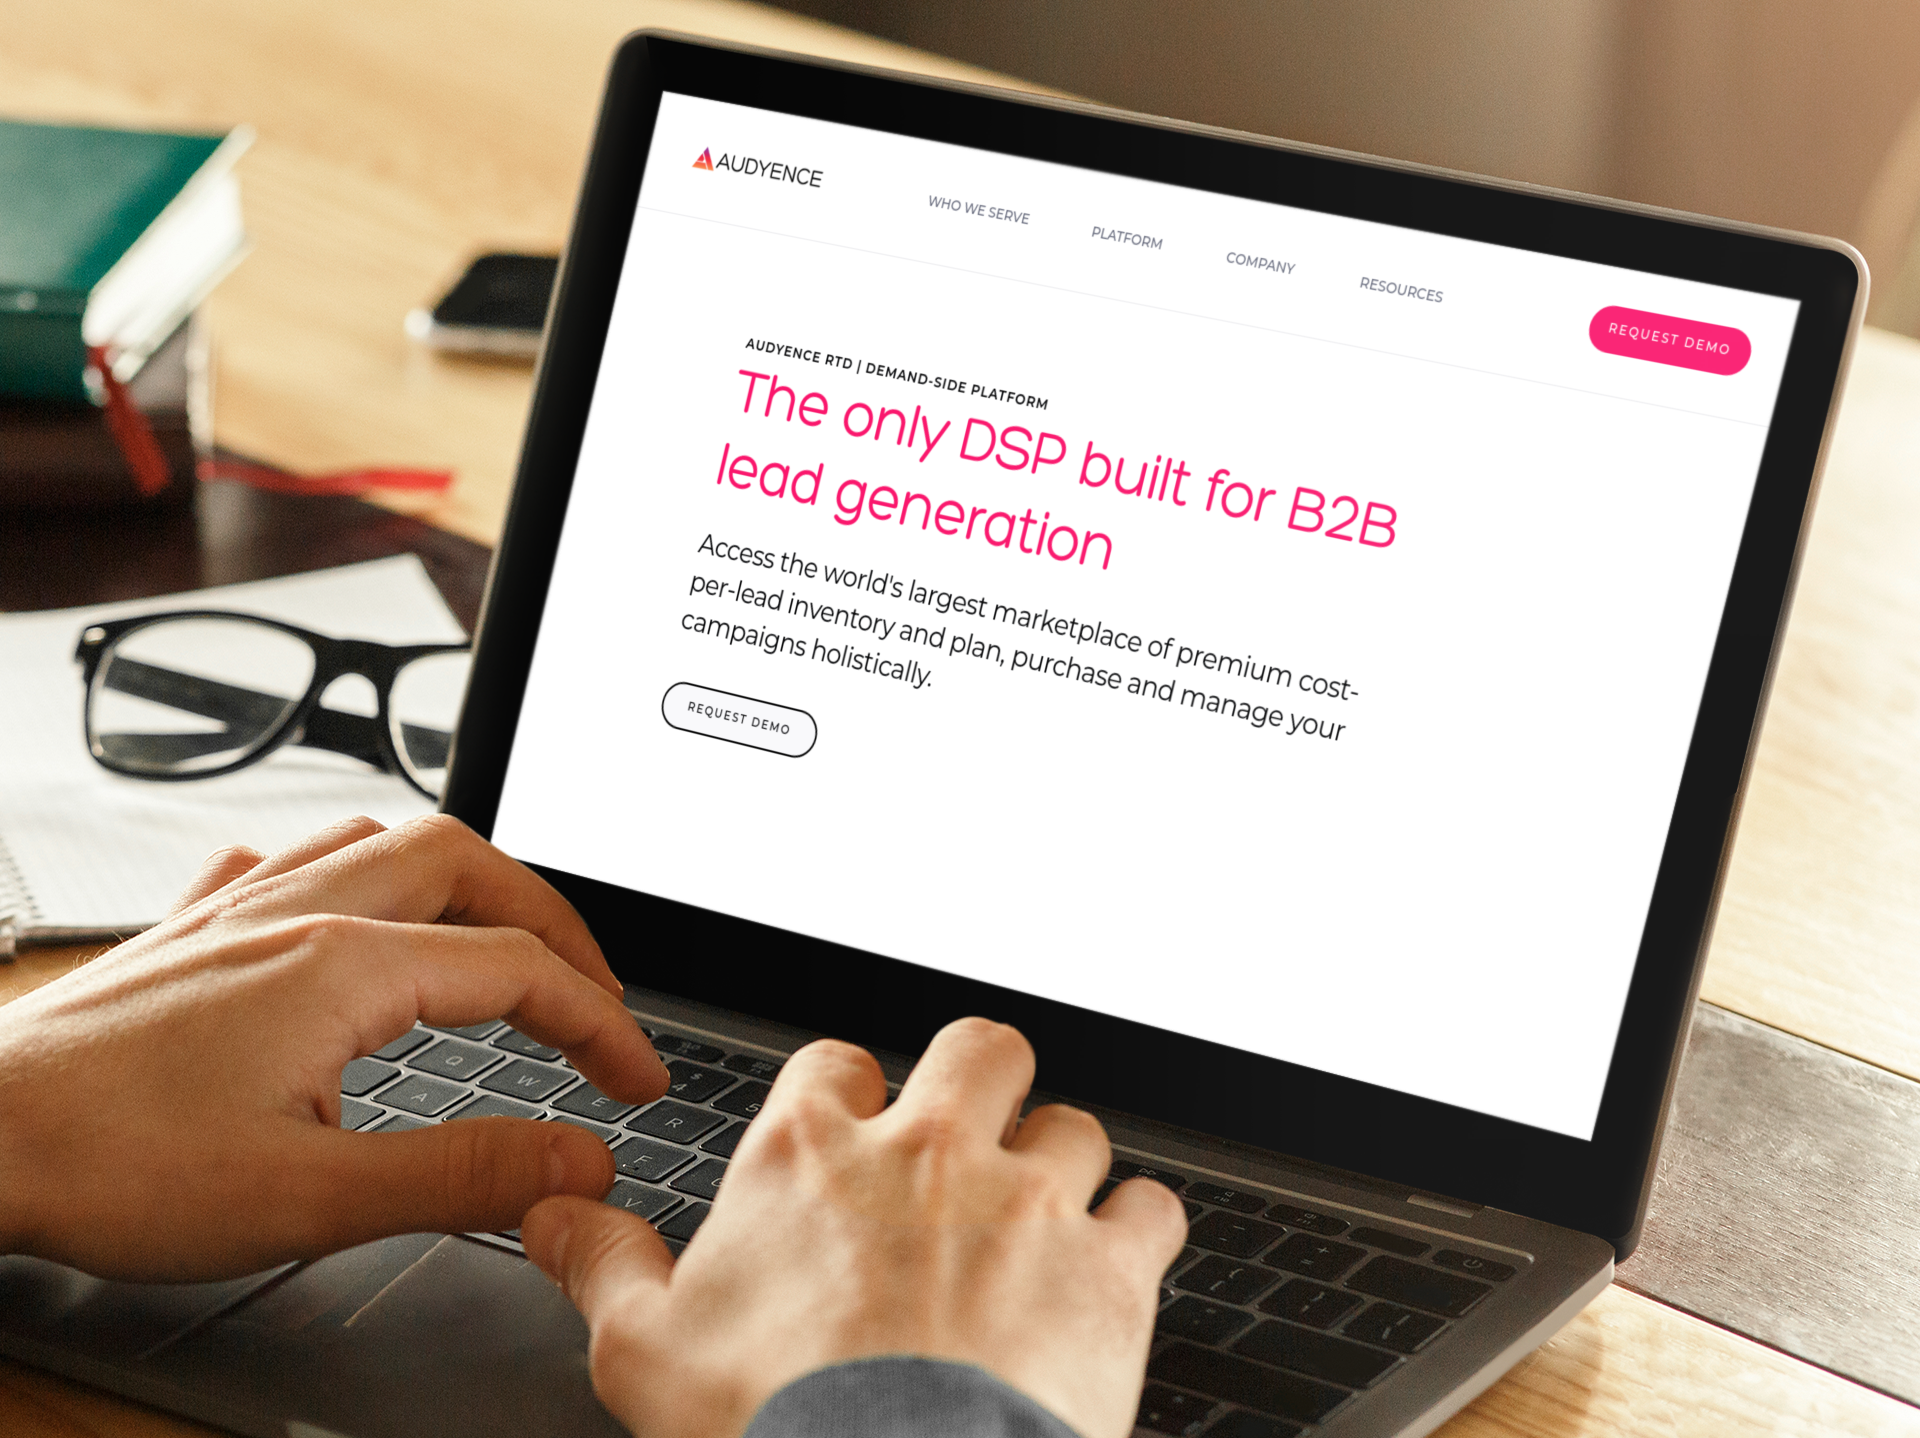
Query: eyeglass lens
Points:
[423, 707]
[183, 696]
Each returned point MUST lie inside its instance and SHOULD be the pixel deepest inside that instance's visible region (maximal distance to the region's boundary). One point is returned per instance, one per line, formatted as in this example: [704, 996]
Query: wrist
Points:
[27, 1171]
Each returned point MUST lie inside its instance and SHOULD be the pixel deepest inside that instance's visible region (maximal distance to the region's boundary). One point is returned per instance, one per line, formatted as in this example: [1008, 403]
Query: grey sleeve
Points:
[903, 1397]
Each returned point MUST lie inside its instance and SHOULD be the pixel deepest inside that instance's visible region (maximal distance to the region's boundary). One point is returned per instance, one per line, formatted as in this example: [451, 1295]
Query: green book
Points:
[109, 238]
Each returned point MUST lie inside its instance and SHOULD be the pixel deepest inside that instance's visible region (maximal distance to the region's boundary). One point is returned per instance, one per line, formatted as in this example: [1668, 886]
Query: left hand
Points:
[171, 1110]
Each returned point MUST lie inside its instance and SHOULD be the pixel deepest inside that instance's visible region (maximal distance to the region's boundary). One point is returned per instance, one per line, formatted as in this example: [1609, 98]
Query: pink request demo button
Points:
[1667, 339]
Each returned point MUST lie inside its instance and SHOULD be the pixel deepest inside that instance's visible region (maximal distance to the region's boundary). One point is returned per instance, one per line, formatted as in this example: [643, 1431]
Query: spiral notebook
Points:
[86, 854]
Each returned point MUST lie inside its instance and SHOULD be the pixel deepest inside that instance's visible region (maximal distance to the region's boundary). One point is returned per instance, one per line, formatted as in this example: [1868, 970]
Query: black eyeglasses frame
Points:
[307, 723]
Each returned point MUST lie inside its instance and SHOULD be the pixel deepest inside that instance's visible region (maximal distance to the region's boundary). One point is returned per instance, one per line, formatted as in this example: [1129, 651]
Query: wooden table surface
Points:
[395, 140]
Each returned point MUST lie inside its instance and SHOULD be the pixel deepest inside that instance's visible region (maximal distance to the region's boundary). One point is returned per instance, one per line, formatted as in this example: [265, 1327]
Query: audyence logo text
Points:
[754, 168]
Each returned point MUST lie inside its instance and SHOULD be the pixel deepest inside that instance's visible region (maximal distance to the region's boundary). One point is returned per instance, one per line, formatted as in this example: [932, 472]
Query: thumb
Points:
[471, 1175]
[600, 1256]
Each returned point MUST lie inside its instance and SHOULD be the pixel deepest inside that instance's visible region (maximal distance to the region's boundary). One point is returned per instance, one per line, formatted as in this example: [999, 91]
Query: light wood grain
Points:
[394, 142]
[1788, 1191]
[1819, 930]
[1629, 1365]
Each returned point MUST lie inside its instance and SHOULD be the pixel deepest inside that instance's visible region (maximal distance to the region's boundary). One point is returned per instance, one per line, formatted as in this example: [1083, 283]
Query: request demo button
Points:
[739, 720]
[1668, 339]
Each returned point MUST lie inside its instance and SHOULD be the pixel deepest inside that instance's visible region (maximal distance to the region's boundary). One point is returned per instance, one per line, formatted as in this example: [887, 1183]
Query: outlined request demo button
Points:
[1667, 339]
[739, 720]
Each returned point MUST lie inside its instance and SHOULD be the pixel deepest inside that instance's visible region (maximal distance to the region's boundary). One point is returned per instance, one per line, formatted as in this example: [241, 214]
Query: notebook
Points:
[108, 238]
[85, 853]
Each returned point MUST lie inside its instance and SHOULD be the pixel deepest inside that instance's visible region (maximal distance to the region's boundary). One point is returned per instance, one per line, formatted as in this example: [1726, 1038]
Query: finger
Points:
[390, 975]
[467, 1176]
[318, 845]
[601, 1257]
[976, 1073]
[437, 869]
[221, 868]
[846, 1077]
[1150, 1222]
[1069, 1140]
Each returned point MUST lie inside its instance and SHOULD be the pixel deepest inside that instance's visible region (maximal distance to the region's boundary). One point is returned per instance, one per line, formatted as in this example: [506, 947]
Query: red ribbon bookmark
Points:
[130, 429]
[342, 481]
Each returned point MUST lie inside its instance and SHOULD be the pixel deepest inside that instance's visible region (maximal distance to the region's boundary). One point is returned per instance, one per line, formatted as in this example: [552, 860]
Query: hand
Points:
[171, 1110]
[940, 1226]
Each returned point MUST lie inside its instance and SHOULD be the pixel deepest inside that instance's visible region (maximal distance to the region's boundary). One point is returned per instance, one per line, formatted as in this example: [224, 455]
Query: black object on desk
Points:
[231, 532]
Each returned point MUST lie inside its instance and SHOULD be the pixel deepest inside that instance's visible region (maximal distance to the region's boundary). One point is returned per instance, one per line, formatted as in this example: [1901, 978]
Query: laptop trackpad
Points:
[412, 1335]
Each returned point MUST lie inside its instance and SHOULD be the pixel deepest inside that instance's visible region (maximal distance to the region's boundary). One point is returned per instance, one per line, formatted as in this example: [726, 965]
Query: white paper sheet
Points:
[83, 848]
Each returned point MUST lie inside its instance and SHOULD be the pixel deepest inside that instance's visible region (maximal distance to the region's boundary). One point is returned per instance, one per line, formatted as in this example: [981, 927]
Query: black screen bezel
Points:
[1595, 1186]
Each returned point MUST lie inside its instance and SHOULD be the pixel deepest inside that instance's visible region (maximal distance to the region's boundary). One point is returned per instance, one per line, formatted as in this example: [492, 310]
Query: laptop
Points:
[1285, 629]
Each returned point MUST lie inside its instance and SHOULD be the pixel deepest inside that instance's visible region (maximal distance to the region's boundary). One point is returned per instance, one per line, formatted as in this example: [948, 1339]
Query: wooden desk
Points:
[396, 140]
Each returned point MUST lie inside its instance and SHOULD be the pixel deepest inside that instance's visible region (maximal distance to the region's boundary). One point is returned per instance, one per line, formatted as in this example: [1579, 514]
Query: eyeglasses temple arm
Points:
[334, 730]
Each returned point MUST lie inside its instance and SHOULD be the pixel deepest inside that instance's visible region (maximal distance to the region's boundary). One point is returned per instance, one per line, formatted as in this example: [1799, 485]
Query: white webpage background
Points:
[1447, 900]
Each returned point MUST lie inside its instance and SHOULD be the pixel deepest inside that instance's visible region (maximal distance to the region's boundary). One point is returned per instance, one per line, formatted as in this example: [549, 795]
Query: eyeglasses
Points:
[200, 692]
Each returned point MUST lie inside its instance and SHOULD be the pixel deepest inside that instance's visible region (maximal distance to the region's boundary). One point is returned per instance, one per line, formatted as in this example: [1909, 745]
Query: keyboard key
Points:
[649, 1159]
[703, 1179]
[1315, 1257]
[1392, 1242]
[1473, 1264]
[753, 1066]
[681, 1122]
[364, 1076]
[1323, 1224]
[649, 1203]
[1318, 1355]
[1186, 1256]
[1241, 1424]
[1392, 1326]
[525, 1079]
[515, 1042]
[1252, 1385]
[1203, 1322]
[1412, 1284]
[726, 1141]
[1101, 1194]
[398, 1123]
[492, 1106]
[353, 1113]
[1226, 1280]
[1235, 1234]
[608, 1136]
[1167, 1410]
[454, 1058]
[1310, 1303]
[404, 1045]
[686, 1222]
[1238, 1199]
[744, 1101]
[588, 1102]
[1126, 1168]
[674, 1046]
[692, 1084]
[471, 1031]
[416, 1093]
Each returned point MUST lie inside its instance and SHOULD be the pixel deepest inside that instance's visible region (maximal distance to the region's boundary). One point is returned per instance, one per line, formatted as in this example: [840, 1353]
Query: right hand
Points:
[941, 1226]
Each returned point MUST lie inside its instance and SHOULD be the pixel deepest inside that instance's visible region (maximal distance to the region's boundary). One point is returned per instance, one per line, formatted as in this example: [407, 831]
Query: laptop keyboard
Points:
[1271, 1318]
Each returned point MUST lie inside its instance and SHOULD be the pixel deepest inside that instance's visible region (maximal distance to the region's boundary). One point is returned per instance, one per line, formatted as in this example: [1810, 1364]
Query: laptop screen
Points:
[1277, 628]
